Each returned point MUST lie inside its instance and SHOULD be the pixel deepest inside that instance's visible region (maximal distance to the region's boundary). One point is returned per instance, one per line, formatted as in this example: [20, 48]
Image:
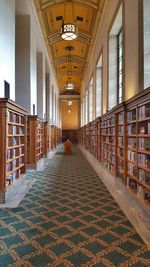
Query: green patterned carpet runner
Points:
[68, 218]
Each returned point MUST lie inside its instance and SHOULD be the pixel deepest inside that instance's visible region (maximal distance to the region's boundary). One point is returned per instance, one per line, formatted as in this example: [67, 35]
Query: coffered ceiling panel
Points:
[87, 14]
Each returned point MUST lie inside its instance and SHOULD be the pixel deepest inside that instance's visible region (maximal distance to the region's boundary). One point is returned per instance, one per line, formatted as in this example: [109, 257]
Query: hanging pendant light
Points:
[69, 31]
[69, 102]
[69, 83]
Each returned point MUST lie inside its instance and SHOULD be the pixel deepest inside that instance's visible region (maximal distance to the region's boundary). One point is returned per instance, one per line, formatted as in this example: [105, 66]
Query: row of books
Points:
[120, 130]
[121, 163]
[144, 176]
[131, 115]
[144, 160]
[132, 142]
[14, 141]
[120, 151]
[132, 169]
[143, 192]
[144, 143]
[108, 122]
[144, 128]
[109, 139]
[15, 129]
[12, 153]
[12, 177]
[131, 155]
[15, 118]
[120, 141]
[144, 111]
[120, 118]
[131, 129]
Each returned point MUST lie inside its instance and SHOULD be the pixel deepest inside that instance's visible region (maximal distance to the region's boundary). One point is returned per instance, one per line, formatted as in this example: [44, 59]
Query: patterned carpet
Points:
[69, 218]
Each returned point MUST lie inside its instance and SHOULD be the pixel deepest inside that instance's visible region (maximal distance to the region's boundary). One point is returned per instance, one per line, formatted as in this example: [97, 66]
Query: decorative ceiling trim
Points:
[61, 60]
[82, 2]
[69, 92]
[82, 37]
[73, 73]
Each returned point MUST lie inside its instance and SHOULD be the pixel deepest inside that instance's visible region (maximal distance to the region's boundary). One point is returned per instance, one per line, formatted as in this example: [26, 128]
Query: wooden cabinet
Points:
[12, 144]
[35, 140]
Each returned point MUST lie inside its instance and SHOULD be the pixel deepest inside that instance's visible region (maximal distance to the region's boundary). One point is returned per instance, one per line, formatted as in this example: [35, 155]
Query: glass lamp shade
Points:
[68, 31]
[69, 86]
[69, 103]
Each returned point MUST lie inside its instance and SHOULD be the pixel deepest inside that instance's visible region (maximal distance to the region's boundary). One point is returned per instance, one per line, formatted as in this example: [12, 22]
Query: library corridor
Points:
[69, 218]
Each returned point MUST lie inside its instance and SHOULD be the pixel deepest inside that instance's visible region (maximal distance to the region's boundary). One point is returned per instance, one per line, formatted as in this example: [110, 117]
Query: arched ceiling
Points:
[87, 15]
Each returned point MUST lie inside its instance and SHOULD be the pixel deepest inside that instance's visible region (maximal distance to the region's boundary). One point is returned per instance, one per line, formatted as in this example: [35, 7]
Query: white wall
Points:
[7, 46]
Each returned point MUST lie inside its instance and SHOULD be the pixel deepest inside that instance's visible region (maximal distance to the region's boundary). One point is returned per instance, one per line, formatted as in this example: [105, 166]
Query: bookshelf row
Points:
[24, 140]
[120, 139]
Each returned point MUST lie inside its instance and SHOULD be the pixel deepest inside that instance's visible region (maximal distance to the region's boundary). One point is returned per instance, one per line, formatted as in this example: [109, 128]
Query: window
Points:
[119, 67]
[99, 87]
[146, 32]
[90, 89]
[115, 62]
[86, 107]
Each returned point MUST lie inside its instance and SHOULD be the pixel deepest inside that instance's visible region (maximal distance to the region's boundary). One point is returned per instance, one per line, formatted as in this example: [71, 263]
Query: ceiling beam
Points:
[63, 59]
[56, 2]
[73, 73]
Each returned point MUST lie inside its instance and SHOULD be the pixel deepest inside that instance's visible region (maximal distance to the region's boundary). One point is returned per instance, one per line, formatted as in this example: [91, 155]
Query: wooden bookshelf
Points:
[120, 118]
[35, 140]
[122, 137]
[108, 142]
[52, 137]
[93, 133]
[12, 144]
[87, 135]
[138, 146]
[47, 138]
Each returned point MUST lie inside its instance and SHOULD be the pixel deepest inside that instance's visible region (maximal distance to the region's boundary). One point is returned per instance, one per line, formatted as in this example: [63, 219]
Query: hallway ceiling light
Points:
[69, 102]
[69, 31]
[69, 110]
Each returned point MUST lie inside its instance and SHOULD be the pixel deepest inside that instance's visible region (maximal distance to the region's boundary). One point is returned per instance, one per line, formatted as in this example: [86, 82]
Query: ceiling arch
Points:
[87, 15]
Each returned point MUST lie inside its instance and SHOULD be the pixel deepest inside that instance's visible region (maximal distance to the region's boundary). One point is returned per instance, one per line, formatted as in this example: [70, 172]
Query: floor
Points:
[69, 218]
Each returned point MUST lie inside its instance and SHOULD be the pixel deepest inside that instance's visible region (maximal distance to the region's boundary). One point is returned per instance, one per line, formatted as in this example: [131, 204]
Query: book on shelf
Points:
[143, 192]
[120, 140]
[144, 160]
[131, 129]
[131, 155]
[8, 154]
[144, 176]
[14, 129]
[132, 142]
[144, 143]
[120, 151]
[8, 166]
[131, 183]
[14, 163]
[144, 111]
[131, 115]
[120, 130]
[120, 118]
[132, 169]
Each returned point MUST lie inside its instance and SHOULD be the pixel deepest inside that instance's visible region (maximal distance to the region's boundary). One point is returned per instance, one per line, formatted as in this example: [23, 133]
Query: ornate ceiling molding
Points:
[73, 73]
[55, 2]
[61, 60]
[82, 37]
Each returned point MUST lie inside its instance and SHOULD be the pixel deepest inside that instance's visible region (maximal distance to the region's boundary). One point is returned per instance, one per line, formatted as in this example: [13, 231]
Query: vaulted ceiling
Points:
[87, 15]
